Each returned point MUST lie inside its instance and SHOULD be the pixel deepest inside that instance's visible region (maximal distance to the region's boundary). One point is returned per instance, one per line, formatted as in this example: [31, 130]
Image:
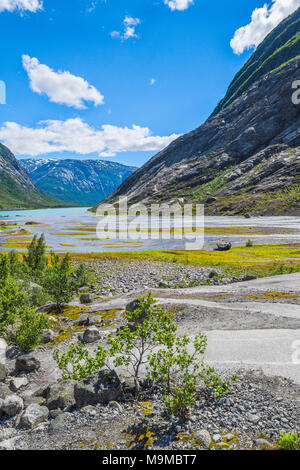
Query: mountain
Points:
[17, 190]
[81, 182]
[246, 156]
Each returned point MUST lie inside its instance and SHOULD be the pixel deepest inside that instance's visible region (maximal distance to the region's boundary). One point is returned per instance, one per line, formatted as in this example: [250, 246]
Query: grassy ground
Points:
[258, 260]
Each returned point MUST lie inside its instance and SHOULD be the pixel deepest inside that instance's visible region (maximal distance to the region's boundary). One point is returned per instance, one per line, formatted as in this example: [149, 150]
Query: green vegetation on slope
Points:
[281, 46]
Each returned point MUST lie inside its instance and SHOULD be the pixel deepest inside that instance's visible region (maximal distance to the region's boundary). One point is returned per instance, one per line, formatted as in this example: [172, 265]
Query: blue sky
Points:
[139, 62]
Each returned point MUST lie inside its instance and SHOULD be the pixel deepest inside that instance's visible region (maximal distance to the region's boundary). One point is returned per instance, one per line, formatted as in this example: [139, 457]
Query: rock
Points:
[12, 352]
[128, 385]
[6, 434]
[217, 438]
[247, 216]
[27, 362]
[210, 200]
[4, 391]
[115, 406]
[223, 245]
[91, 335]
[86, 299]
[262, 443]
[48, 336]
[99, 388]
[213, 273]
[17, 383]
[203, 436]
[54, 413]
[12, 405]
[60, 395]
[2, 372]
[59, 423]
[34, 400]
[84, 320]
[134, 305]
[253, 418]
[9, 444]
[228, 437]
[33, 416]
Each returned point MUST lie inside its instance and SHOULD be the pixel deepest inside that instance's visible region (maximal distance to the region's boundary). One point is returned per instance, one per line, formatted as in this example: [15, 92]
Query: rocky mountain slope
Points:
[17, 190]
[82, 182]
[246, 156]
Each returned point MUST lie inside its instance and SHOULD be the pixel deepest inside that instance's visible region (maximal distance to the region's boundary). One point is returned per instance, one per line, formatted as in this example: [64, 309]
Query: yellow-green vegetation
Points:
[273, 296]
[259, 260]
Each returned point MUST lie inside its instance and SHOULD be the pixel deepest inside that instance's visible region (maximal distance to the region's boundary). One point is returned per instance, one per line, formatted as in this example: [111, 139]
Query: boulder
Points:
[86, 299]
[48, 336]
[203, 437]
[60, 395]
[33, 416]
[84, 320]
[27, 362]
[32, 400]
[91, 335]
[17, 383]
[4, 391]
[103, 387]
[12, 405]
[223, 245]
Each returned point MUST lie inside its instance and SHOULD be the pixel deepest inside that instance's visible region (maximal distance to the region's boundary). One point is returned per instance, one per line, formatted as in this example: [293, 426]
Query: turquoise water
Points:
[74, 230]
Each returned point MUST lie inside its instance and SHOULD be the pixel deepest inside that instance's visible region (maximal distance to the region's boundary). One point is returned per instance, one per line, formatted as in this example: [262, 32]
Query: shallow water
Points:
[74, 230]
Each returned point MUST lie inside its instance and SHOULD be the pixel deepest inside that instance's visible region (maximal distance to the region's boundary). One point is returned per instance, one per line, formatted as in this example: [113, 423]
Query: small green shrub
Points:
[28, 334]
[249, 243]
[77, 363]
[289, 441]
[58, 282]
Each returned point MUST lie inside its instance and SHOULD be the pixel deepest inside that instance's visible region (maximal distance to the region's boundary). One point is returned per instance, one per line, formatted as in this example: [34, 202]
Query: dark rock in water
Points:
[223, 246]
[247, 216]
[27, 362]
[99, 388]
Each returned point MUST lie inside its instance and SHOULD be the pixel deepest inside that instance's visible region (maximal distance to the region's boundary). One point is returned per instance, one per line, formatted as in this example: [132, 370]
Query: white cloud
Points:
[60, 87]
[263, 20]
[178, 4]
[22, 5]
[75, 135]
[129, 31]
[152, 81]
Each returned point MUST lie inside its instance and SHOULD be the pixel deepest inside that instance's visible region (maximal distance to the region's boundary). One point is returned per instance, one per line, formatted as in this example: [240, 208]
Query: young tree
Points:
[12, 301]
[179, 367]
[58, 282]
[28, 334]
[149, 326]
[35, 258]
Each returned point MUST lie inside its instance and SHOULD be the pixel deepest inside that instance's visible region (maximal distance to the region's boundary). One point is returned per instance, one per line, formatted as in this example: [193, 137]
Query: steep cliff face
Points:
[245, 158]
[82, 182]
[17, 190]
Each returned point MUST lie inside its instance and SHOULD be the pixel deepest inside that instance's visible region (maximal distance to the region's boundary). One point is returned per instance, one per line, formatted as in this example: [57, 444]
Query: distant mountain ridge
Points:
[246, 157]
[17, 190]
[81, 182]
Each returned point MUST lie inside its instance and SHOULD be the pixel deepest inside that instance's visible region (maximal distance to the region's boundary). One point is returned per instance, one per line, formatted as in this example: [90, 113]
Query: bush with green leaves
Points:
[12, 301]
[150, 342]
[179, 367]
[83, 276]
[58, 281]
[149, 326]
[289, 441]
[77, 363]
[28, 333]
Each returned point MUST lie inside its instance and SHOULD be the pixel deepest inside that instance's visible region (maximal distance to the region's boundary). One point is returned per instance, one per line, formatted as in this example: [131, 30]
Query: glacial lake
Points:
[74, 230]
